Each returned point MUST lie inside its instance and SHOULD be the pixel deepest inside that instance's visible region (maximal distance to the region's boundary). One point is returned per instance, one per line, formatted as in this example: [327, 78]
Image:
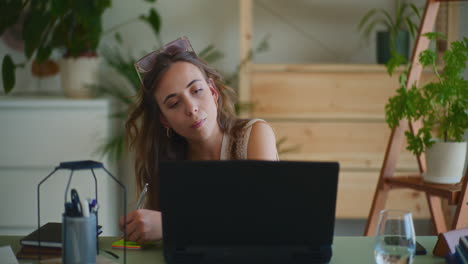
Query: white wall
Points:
[324, 25]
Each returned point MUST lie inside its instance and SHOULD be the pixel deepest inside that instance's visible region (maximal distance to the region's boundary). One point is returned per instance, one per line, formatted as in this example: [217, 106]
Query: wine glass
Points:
[395, 241]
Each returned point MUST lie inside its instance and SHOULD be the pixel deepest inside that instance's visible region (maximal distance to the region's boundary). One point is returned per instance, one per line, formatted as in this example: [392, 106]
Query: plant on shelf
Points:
[71, 28]
[441, 106]
[395, 38]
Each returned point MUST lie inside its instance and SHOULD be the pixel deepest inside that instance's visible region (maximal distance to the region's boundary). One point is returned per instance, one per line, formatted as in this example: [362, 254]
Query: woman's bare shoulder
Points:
[262, 142]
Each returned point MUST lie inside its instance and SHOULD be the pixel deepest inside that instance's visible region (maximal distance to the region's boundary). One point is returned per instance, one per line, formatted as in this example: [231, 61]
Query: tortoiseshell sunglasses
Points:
[145, 64]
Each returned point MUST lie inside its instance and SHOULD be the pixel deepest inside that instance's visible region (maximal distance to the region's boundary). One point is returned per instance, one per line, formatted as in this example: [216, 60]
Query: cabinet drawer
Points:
[45, 133]
[35, 136]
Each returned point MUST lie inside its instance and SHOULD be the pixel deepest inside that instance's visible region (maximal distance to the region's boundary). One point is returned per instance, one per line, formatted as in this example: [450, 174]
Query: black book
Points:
[51, 236]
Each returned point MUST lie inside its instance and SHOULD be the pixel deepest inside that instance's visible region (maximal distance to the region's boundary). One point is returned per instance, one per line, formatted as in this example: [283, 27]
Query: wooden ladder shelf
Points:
[455, 194]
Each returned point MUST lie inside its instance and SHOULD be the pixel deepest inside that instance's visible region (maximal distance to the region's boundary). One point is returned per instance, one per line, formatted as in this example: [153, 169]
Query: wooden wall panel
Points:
[303, 94]
[356, 145]
[336, 113]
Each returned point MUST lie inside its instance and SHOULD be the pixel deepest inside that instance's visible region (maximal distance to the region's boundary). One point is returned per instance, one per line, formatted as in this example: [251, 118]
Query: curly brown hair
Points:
[146, 135]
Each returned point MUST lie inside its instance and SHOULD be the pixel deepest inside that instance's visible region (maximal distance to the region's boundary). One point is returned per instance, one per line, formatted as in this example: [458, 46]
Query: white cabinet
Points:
[35, 136]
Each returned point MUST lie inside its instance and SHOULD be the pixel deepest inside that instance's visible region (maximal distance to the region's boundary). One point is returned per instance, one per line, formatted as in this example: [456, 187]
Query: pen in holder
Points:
[79, 223]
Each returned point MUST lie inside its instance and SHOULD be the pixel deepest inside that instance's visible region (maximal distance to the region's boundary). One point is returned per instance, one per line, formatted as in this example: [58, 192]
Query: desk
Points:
[345, 250]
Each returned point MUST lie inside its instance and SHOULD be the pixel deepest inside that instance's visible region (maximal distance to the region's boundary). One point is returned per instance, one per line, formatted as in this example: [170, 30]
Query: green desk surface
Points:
[345, 250]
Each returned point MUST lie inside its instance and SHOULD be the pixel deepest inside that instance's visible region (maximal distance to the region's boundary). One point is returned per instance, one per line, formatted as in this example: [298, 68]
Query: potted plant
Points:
[71, 28]
[442, 107]
[395, 37]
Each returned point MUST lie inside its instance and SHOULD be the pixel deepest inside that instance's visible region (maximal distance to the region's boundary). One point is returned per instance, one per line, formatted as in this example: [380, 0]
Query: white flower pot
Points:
[445, 162]
[77, 74]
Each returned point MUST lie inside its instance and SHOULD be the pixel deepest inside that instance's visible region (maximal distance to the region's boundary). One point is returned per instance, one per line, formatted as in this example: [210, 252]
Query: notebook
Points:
[51, 236]
[33, 252]
[248, 211]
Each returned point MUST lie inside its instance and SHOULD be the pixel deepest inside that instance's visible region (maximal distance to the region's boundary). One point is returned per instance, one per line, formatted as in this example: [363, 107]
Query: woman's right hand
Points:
[143, 226]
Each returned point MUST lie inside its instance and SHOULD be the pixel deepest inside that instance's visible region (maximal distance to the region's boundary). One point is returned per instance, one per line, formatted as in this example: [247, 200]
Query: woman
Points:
[184, 112]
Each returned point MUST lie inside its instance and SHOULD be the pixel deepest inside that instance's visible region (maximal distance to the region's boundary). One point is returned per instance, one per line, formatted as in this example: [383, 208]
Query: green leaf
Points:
[403, 78]
[210, 54]
[371, 26]
[34, 27]
[112, 147]
[389, 20]
[43, 53]
[395, 61]
[118, 38]
[154, 20]
[415, 10]
[124, 66]
[8, 74]
[58, 7]
[395, 110]
[9, 14]
[206, 50]
[399, 19]
[366, 17]
[263, 45]
[241, 107]
[427, 57]
[113, 89]
[434, 35]
[415, 143]
[411, 27]
[151, 1]
[281, 141]
[213, 57]
[282, 150]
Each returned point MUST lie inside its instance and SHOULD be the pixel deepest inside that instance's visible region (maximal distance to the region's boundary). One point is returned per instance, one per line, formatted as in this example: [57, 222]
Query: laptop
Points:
[246, 211]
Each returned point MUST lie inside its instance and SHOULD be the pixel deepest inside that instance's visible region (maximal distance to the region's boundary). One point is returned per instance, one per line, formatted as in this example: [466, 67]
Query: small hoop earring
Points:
[168, 132]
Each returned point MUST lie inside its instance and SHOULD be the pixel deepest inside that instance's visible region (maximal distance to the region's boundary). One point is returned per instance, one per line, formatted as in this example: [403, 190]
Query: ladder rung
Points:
[448, 191]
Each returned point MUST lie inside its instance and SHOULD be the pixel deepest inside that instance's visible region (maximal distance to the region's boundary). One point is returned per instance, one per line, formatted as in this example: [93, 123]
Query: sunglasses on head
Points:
[145, 64]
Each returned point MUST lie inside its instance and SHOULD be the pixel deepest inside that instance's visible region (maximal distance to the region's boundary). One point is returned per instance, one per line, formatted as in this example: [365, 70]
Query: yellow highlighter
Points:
[119, 244]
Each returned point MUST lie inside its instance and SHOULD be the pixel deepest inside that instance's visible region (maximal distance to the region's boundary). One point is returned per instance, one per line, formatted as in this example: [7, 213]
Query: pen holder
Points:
[80, 244]
[79, 236]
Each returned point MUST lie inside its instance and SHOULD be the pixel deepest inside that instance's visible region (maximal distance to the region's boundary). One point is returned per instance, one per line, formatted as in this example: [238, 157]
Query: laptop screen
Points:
[244, 203]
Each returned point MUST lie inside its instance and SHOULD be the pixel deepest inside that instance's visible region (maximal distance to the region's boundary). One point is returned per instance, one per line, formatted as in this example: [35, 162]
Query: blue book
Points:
[451, 259]
[464, 243]
[462, 257]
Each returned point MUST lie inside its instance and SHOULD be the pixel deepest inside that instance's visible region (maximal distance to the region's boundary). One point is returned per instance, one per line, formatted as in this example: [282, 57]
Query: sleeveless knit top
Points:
[241, 146]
